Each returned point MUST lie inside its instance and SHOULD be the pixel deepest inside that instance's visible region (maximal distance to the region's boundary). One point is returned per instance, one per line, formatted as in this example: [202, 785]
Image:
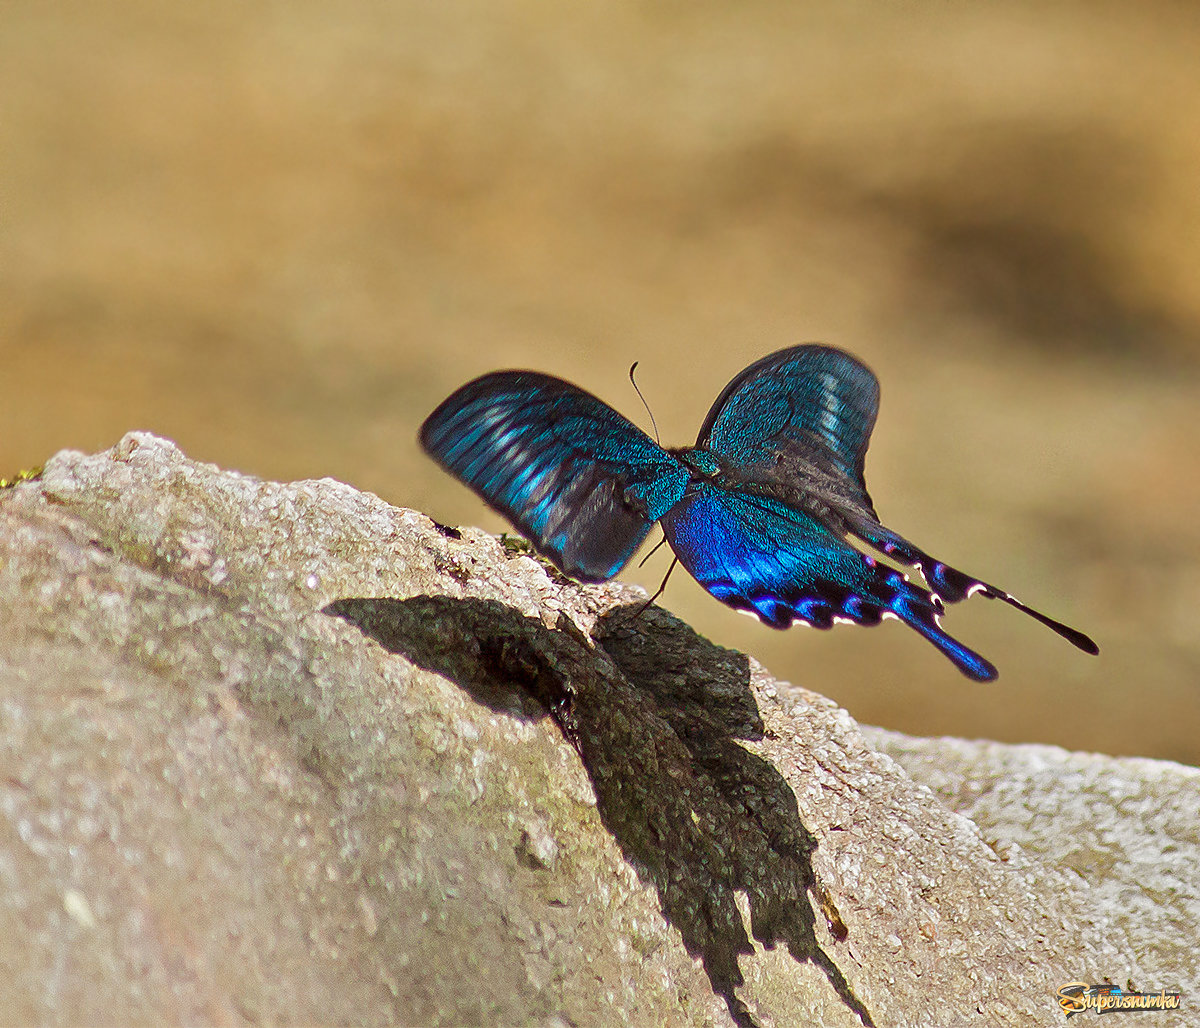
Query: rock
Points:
[285, 753]
[1126, 827]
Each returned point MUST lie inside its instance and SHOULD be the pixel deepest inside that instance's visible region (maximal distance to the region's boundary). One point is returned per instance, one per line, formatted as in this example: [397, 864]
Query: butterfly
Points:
[769, 510]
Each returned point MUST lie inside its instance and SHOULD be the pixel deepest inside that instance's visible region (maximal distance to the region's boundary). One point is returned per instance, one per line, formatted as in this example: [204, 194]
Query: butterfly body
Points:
[768, 511]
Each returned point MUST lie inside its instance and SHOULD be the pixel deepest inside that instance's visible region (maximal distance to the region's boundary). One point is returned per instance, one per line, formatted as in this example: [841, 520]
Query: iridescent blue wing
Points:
[579, 480]
[796, 426]
[812, 403]
[951, 585]
[760, 555]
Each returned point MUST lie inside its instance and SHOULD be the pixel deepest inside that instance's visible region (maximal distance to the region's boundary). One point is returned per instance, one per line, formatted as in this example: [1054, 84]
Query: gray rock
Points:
[285, 753]
[1127, 829]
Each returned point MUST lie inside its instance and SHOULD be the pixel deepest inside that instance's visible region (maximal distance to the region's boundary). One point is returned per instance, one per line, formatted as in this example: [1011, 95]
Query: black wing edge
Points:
[951, 585]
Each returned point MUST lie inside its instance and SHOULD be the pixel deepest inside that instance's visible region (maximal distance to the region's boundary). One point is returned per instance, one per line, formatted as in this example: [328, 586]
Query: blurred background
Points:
[281, 233]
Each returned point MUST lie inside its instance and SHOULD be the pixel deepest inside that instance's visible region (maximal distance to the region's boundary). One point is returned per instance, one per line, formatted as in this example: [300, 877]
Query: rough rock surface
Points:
[285, 753]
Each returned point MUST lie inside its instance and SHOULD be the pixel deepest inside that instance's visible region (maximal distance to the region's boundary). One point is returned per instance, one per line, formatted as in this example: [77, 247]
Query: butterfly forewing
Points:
[811, 396]
[579, 480]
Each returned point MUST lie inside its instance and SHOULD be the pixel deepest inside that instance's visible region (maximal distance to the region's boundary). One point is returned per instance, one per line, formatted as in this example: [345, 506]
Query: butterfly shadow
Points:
[656, 713]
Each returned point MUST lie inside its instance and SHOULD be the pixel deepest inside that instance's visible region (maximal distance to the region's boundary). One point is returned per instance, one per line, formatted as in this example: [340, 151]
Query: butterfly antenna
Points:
[661, 589]
[653, 424]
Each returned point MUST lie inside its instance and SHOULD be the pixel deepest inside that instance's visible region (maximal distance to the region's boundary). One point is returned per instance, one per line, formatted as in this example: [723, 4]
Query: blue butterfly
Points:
[768, 511]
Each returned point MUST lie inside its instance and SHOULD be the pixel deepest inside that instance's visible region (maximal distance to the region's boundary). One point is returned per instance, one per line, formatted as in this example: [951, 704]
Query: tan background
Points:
[280, 233]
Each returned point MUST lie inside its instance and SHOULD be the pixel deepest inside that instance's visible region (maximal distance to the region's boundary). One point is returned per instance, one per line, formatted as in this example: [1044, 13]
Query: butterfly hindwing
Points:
[579, 480]
[951, 585]
[759, 555]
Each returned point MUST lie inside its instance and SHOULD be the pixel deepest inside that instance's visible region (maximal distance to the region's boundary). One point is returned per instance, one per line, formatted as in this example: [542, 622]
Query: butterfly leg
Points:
[659, 591]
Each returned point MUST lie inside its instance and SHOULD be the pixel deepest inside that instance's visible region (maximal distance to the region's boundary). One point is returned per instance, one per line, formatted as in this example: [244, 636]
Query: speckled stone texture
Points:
[285, 753]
